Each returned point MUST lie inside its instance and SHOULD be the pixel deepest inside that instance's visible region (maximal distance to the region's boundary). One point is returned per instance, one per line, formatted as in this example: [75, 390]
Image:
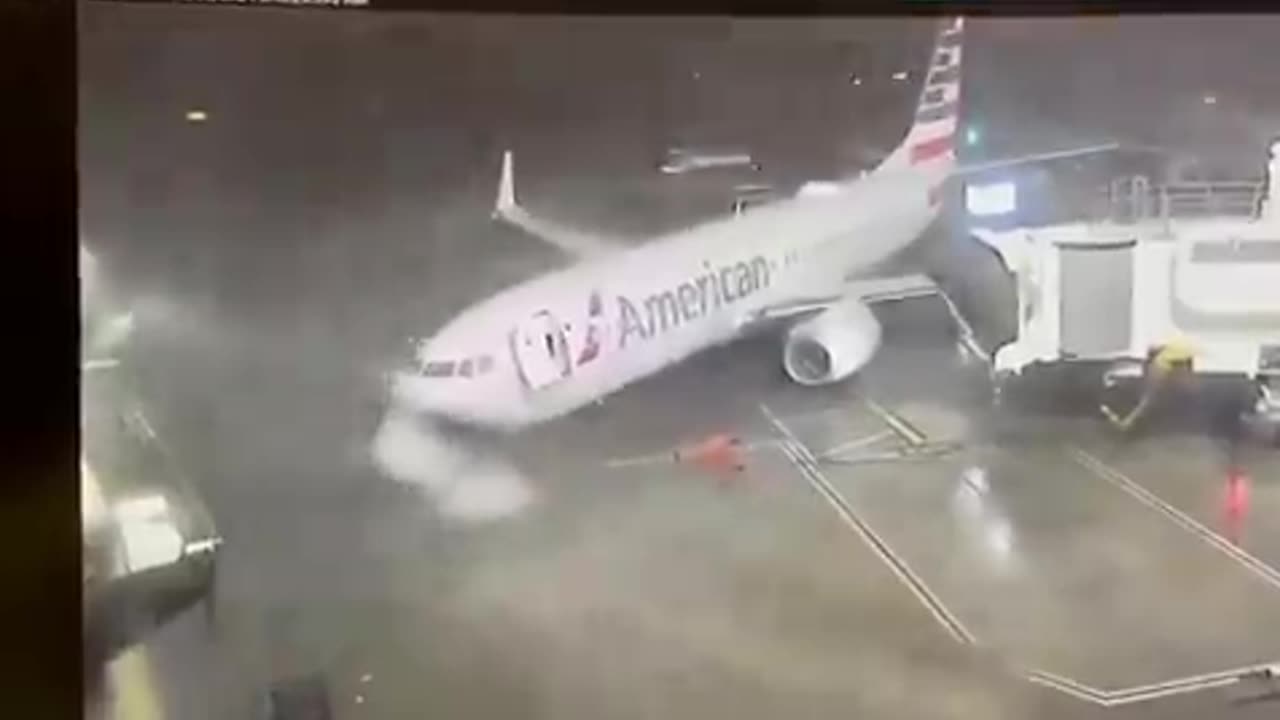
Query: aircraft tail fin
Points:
[930, 142]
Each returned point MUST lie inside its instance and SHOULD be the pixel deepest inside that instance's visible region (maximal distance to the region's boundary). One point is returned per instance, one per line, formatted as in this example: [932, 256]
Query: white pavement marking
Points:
[1145, 693]
[1067, 686]
[898, 424]
[1258, 568]
[800, 456]
[814, 414]
[1180, 686]
[855, 444]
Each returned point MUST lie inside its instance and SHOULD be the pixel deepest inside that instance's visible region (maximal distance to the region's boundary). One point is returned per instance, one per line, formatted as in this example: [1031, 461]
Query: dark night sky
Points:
[337, 110]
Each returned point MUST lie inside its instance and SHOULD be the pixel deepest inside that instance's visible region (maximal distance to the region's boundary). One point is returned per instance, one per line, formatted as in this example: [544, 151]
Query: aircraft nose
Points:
[458, 380]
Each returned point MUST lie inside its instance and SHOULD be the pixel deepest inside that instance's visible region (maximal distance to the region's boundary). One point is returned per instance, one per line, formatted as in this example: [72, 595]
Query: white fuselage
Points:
[645, 308]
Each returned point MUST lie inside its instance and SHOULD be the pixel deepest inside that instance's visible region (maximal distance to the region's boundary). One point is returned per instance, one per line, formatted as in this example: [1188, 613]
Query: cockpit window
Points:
[438, 369]
[470, 367]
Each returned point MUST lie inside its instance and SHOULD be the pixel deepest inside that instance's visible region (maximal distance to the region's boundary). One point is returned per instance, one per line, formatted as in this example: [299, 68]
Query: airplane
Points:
[624, 311]
[680, 161]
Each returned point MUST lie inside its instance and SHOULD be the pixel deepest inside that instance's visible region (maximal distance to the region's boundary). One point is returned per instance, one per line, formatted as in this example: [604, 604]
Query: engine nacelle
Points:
[833, 345]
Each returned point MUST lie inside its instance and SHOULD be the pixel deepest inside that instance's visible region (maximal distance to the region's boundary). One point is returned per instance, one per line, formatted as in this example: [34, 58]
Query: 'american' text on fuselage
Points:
[691, 299]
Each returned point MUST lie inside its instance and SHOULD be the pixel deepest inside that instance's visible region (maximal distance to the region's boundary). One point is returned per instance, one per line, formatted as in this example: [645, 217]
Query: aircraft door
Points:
[541, 351]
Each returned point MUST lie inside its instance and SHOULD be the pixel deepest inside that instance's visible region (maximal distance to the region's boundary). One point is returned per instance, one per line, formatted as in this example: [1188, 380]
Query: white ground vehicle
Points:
[1110, 292]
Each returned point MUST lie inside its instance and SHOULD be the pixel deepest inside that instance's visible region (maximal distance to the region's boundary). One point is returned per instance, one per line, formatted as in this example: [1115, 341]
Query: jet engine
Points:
[833, 345]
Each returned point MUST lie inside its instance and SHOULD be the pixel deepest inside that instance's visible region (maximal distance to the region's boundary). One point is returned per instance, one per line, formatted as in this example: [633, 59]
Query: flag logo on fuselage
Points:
[595, 329]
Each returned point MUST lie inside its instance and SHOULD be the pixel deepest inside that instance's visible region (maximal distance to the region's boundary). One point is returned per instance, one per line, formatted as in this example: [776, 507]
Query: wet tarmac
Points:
[1052, 572]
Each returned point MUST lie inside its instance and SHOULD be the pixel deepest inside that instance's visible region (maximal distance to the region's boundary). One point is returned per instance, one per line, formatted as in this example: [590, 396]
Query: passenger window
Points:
[484, 364]
[464, 368]
[438, 369]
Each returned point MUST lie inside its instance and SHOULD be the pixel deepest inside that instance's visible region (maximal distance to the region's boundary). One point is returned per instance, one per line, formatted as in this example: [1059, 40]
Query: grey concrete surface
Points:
[1187, 471]
[1040, 558]
[336, 201]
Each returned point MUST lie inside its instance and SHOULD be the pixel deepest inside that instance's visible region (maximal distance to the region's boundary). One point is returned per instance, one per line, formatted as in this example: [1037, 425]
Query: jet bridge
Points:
[1193, 260]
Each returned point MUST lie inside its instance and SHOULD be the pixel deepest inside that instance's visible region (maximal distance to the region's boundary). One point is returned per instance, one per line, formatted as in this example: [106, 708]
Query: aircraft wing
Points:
[872, 291]
[789, 310]
[574, 242]
[868, 290]
[885, 289]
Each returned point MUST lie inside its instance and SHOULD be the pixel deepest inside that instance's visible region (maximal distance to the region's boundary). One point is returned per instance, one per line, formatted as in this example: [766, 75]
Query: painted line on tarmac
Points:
[1182, 686]
[861, 442]
[804, 461]
[909, 433]
[808, 415]
[1067, 686]
[1153, 691]
[1257, 567]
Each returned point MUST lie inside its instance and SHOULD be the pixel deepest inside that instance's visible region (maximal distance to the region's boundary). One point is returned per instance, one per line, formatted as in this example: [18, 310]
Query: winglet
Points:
[574, 242]
[506, 201]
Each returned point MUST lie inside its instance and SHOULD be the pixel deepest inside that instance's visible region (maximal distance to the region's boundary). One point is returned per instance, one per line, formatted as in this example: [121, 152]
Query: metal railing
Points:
[1134, 200]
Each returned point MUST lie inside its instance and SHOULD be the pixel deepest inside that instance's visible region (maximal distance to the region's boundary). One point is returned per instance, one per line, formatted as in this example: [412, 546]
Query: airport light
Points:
[900, 75]
[197, 116]
[992, 199]
[972, 135]
[855, 80]
[1210, 99]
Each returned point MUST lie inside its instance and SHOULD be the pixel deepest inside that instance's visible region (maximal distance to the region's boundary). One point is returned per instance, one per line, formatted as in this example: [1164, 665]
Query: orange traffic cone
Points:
[719, 452]
[1237, 491]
